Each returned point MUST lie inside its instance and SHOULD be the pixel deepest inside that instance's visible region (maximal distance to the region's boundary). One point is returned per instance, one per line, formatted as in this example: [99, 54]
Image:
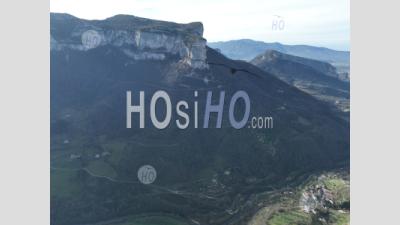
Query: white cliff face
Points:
[142, 44]
[191, 52]
[153, 41]
[119, 38]
[144, 55]
[198, 54]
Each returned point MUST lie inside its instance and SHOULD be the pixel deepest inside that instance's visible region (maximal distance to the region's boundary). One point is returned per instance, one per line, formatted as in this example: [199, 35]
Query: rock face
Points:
[139, 38]
[329, 192]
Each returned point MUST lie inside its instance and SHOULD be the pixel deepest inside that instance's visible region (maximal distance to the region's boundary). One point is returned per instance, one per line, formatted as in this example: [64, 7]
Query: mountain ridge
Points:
[211, 176]
[247, 49]
[317, 78]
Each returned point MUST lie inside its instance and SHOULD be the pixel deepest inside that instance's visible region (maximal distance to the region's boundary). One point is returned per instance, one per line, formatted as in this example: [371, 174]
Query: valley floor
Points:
[322, 199]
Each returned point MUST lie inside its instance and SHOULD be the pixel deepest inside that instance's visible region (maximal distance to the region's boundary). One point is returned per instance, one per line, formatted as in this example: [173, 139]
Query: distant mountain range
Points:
[247, 49]
[204, 176]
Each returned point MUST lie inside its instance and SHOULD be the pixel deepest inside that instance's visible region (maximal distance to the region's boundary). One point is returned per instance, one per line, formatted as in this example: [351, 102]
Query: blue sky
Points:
[314, 22]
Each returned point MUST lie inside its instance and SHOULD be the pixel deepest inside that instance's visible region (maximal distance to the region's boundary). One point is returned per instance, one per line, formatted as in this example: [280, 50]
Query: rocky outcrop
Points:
[272, 56]
[138, 38]
[331, 191]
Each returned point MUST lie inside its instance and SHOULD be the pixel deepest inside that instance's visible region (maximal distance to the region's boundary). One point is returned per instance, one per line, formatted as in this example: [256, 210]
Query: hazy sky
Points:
[315, 22]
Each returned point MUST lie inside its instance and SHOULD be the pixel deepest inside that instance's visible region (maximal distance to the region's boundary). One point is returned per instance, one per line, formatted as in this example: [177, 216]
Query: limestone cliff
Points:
[139, 38]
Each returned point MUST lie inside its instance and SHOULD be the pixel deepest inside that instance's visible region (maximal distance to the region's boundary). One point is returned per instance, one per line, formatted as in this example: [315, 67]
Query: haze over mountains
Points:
[246, 49]
[204, 176]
